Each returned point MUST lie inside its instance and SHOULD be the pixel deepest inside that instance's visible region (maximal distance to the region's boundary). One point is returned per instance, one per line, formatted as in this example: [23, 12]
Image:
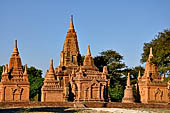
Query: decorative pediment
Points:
[158, 94]
[94, 83]
[17, 90]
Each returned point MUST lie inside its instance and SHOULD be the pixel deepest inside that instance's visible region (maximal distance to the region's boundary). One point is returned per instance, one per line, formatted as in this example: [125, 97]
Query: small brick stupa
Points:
[51, 91]
[128, 93]
[14, 86]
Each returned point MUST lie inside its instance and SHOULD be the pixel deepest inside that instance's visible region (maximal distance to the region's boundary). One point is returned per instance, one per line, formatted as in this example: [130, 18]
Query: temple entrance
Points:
[158, 95]
[17, 92]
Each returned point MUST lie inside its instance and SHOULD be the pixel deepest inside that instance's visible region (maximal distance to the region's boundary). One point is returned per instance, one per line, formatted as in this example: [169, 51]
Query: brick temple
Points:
[151, 86]
[51, 90]
[87, 83]
[14, 85]
[73, 81]
[80, 81]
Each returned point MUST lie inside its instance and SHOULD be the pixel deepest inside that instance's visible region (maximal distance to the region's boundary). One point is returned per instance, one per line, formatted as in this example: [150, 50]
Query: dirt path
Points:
[119, 110]
[80, 110]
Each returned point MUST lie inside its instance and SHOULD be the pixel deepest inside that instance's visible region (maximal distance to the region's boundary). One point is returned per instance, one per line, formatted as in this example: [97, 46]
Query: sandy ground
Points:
[81, 110]
[122, 110]
[119, 110]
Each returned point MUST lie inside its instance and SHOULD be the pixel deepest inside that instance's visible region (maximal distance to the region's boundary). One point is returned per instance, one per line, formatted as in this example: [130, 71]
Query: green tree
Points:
[115, 65]
[116, 93]
[36, 81]
[161, 51]
[134, 73]
[82, 59]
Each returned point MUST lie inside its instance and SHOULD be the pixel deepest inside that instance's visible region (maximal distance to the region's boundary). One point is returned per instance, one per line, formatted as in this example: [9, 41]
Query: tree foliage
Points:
[82, 59]
[161, 51]
[134, 73]
[36, 81]
[115, 65]
[118, 72]
[116, 93]
[113, 60]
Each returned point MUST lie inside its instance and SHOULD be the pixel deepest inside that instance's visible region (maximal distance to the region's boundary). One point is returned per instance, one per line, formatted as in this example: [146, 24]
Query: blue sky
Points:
[40, 26]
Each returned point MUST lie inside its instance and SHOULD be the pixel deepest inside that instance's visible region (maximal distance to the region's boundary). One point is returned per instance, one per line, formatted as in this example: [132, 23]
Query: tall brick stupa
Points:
[94, 84]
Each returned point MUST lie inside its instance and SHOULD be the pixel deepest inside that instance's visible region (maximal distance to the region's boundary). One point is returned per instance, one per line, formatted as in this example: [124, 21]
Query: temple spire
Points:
[70, 54]
[3, 70]
[6, 70]
[50, 75]
[15, 43]
[105, 70]
[15, 50]
[88, 51]
[139, 75]
[163, 77]
[128, 92]
[25, 72]
[88, 60]
[150, 54]
[51, 69]
[71, 23]
[128, 80]
[80, 69]
[73, 72]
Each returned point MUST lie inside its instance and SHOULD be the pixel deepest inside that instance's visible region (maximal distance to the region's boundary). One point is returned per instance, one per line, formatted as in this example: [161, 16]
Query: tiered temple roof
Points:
[14, 83]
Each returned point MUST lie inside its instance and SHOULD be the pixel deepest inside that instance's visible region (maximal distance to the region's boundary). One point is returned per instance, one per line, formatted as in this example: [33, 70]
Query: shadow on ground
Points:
[43, 109]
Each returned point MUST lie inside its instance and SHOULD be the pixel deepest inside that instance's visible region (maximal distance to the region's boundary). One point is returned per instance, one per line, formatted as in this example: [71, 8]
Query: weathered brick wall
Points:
[35, 104]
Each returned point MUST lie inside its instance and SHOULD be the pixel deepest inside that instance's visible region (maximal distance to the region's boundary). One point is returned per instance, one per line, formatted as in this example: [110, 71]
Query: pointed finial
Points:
[15, 43]
[88, 51]
[71, 23]
[139, 75]
[15, 50]
[163, 77]
[6, 70]
[73, 71]
[150, 54]
[105, 70]
[25, 72]
[51, 69]
[81, 69]
[51, 62]
[128, 80]
[3, 70]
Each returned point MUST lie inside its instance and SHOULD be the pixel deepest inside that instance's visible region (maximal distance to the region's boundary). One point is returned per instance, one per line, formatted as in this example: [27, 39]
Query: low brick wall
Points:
[35, 104]
[85, 104]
